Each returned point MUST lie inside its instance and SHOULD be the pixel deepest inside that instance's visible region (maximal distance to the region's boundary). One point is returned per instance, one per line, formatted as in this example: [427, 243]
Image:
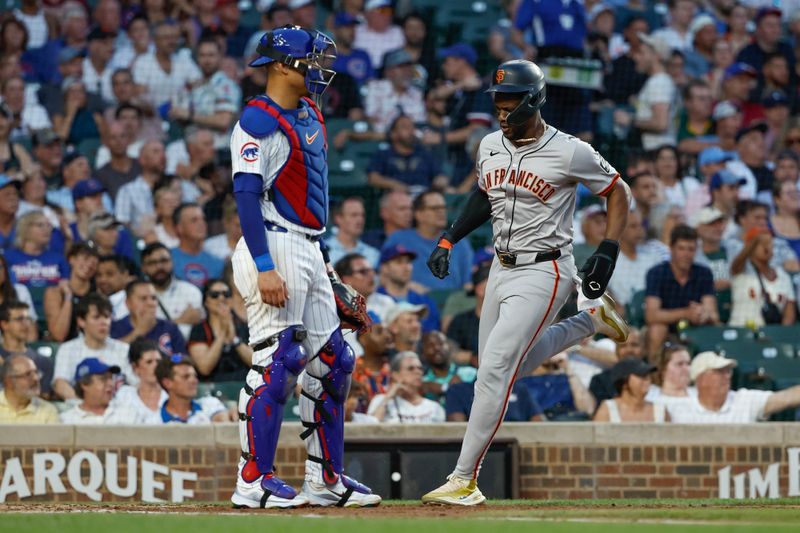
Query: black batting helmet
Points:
[521, 76]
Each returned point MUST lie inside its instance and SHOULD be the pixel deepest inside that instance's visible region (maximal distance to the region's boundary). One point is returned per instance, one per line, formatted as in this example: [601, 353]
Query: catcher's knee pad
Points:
[338, 359]
[261, 408]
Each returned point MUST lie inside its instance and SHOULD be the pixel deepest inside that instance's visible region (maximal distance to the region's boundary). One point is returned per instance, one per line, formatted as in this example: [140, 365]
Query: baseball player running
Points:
[280, 181]
[528, 172]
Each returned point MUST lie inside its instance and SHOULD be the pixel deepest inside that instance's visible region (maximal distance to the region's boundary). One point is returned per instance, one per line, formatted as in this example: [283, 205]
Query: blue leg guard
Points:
[261, 407]
[325, 387]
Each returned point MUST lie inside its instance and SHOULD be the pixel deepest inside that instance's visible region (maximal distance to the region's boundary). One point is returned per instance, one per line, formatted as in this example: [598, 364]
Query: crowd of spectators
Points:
[117, 220]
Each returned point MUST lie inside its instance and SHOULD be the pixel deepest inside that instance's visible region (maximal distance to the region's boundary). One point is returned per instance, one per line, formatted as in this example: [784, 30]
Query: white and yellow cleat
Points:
[607, 321]
[457, 491]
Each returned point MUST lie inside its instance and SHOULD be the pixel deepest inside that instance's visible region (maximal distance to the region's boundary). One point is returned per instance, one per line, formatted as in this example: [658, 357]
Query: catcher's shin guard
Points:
[325, 387]
[261, 406]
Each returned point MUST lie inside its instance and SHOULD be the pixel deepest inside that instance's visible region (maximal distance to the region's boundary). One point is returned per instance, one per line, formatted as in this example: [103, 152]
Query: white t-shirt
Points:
[743, 406]
[127, 397]
[376, 44]
[748, 299]
[163, 87]
[658, 89]
[630, 275]
[679, 193]
[36, 26]
[114, 414]
[361, 418]
[72, 352]
[176, 299]
[404, 412]
[98, 82]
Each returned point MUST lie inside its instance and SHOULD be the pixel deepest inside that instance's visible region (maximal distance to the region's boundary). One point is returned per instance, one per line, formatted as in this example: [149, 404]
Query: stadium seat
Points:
[44, 348]
[750, 356]
[227, 390]
[634, 310]
[783, 335]
[784, 372]
[709, 337]
[335, 125]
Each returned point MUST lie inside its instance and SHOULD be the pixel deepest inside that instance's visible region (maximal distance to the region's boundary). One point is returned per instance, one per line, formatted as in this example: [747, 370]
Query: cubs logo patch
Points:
[249, 152]
[500, 76]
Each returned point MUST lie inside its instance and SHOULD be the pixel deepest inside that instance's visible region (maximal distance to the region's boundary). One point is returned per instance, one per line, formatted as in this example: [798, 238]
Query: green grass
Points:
[592, 516]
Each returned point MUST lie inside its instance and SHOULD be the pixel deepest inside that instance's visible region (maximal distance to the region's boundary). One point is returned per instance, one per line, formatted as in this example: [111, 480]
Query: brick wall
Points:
[556, 461]
[671, 471]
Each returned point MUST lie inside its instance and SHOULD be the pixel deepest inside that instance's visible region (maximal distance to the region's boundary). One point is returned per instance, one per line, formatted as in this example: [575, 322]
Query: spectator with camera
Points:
[764, 294]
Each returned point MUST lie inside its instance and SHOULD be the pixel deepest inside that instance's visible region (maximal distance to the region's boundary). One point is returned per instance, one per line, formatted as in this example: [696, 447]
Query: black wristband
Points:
[609, 248]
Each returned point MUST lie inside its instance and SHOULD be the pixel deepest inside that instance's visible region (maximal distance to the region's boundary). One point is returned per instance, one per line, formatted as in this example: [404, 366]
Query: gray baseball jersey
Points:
[532, 190]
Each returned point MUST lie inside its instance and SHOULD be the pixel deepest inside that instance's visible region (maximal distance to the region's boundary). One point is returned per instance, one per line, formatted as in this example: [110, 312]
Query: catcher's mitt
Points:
[350, 305]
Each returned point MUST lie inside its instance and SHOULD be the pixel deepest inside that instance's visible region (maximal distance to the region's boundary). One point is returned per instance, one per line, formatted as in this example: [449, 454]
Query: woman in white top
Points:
[631, 378]
[676, 188]
[403, 402]
[754, 289]
[672, 374]
[144, 400]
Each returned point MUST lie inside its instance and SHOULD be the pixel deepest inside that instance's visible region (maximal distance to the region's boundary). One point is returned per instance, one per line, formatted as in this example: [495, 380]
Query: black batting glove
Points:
[439, 261]
[598, 269]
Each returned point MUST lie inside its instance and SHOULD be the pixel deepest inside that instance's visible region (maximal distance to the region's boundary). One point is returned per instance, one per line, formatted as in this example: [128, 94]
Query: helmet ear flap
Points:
[530, 104]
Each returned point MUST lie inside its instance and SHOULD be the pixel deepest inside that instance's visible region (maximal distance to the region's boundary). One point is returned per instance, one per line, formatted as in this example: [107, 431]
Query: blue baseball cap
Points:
[86, 188]
[725, 177]
[5, 181]
[775, 99]
[767, 11]
[91, 366]
[395, 251]
[343, 18]
[462, 50]
[739, 68]
[713, 154]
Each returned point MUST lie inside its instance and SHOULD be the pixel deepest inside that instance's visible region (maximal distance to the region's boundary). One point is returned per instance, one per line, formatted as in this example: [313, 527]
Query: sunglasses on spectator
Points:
[792, 141]
[219, 294]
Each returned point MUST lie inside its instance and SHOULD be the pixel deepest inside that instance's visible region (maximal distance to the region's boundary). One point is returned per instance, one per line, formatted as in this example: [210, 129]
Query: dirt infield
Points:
[394, 509]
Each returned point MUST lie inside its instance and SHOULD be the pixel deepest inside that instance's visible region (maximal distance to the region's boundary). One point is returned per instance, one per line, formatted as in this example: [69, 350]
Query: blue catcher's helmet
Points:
[309, 51]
